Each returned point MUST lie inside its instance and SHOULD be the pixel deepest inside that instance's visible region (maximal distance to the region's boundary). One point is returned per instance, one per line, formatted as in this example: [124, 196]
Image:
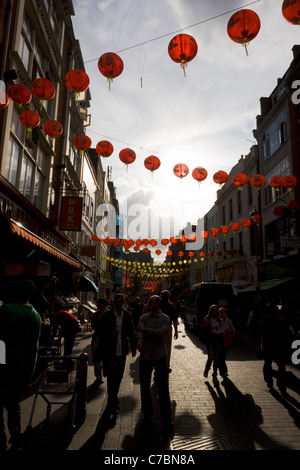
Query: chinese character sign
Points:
[71, 211]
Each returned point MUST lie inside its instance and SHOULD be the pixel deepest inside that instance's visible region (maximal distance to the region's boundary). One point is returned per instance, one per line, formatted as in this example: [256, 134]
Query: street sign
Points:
[290, 242]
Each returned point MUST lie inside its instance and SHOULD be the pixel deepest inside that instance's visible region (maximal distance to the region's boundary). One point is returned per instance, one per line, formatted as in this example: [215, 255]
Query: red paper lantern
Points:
[257, 181]
[53, 129]
[180, 253]
[204, 234]
[145, 250]
[235, 226]
[138, 242]
[224, 229]
[158, 252]
[240, 180]
[4, 100]
[136, 248]
[152, 163]
[19, 93]
[215, 232]
[199, 174]
[182, 49]
[183, 239]
[111, 66]
[169, 253]
[219, 253]
[210, 254]
[104, 148]
[191, 254]
[153, 242]
[30, 119]
[145, 241]
[276, 182]
[289, 182]
[220, 177]
[246, 223]
[181, 170]
[202, 254]
[164, 241]
[77, 81]
[127, 156]
[82, 142]
[173, 240]
[43, 89]
[278, 210]
[291, 11]
[243, 27]
[257, 218]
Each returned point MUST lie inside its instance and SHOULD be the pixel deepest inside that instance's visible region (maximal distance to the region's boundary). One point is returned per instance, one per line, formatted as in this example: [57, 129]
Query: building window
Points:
[230, 209]
[24, 174]
[250, 195]
[12, 162]
[276, 135]
[223, 215]
[241, 240]
[282, 169]
[239, 202]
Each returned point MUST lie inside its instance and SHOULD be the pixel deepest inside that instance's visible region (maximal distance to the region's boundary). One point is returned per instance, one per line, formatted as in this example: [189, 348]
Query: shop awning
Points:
[267, 285]
[29, 236]
[85, 284]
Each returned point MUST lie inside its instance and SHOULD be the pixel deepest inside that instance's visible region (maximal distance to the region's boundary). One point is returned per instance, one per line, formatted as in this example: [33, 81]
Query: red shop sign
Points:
[71, 211]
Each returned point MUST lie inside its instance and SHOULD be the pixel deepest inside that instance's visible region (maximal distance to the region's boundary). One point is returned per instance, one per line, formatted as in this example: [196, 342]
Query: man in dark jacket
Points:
[115, 330]
[20, 326]
[275, 346]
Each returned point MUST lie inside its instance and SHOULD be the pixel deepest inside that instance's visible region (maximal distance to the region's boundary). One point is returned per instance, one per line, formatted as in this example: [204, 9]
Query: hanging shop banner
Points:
[71, 212]
[88, 250]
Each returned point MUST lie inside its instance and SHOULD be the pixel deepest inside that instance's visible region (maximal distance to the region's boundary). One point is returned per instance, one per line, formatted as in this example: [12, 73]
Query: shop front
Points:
[31, 248]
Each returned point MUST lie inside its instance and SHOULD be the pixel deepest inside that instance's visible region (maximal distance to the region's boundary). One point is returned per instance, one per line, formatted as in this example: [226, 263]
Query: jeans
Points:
[162, 379]
[268, 371]
[213, 351]
[222, 359]
[10, 395]
[114, 368]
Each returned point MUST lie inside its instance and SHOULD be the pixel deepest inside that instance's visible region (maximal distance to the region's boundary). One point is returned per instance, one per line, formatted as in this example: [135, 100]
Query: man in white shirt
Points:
[152, 329]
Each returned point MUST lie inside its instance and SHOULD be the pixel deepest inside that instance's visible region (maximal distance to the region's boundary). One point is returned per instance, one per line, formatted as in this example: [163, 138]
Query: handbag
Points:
[228, 337]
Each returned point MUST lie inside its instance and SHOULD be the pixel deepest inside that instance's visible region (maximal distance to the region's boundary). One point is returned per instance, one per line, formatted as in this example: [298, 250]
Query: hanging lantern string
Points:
[140, 147]
[141, 63]
[182, 29]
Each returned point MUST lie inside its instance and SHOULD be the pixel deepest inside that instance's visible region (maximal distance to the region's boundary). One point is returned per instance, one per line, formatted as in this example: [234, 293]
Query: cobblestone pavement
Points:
[241, 413]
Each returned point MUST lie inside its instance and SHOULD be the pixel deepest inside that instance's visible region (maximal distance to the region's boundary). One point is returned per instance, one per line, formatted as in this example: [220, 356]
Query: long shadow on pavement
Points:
[240, 417]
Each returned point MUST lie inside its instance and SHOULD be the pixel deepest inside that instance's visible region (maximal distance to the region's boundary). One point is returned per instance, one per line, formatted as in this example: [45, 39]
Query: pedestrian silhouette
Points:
[20, 326]
[275, 346]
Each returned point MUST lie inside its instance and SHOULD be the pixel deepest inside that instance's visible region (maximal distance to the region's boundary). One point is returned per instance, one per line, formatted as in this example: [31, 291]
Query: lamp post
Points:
[257, 219]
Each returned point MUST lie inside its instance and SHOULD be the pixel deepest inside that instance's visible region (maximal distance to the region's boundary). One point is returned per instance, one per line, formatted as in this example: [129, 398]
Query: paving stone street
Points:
[240, 413]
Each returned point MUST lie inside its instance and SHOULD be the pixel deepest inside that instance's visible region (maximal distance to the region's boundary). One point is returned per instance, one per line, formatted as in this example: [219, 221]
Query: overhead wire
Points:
[181, 29]
[141, 59]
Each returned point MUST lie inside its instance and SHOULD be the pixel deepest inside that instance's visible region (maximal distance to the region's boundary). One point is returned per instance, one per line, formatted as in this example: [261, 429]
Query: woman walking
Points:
[228, 332]
[212, 322]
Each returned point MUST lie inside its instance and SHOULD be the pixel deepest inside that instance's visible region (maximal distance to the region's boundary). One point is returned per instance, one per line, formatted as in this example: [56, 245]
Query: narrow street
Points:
[241, 413]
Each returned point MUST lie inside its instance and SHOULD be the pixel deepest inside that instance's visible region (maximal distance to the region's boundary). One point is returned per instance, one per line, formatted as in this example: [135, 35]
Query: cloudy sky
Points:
[205, 118]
